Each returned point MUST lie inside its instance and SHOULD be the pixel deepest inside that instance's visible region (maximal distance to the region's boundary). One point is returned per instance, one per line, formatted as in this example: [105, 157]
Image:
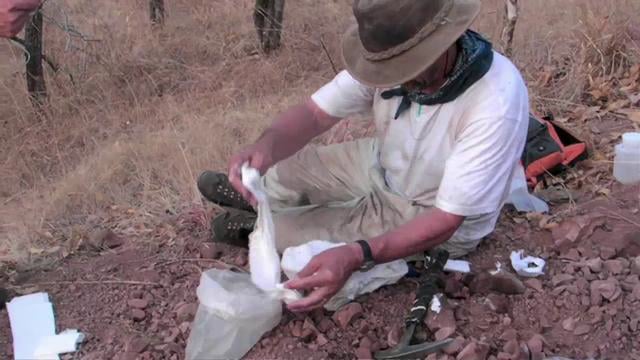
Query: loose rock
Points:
[498, 303]
[569, 324]
[394, 335]
[562, 279]
[581, 329]
[535, 345]
[631, 243]
[607, 252]
[138, 315]
[630, 282]
[507, 283]
[106, 239]
[346, 314]
[509, 334]
[608, 289]
[534, 284]
[138, 303]
[184, 327]
[436, 322]
[474, 351]
[296, 328]
[136, 345]
[321, 340]
[454, 288]
[325, 324]
[635, 265]
[363, 353]
[240, 260]
[365, 342]
[444, 333]
[614, 266]
[455, 346]
[185, 312]
[571, 254]
[595, 265]
[511, 347]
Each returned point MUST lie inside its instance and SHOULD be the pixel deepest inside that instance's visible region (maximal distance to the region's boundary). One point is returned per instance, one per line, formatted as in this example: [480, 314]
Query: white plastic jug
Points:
[232, 316]
[626, 166]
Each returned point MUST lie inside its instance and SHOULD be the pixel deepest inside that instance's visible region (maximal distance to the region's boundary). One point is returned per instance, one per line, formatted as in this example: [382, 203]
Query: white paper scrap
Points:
[528, 266]
[65, 342]
[460, 266]
[436, 305]
[33, 329]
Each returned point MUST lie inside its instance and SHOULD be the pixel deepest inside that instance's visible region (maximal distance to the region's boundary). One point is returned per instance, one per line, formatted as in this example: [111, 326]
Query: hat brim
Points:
[411, 63]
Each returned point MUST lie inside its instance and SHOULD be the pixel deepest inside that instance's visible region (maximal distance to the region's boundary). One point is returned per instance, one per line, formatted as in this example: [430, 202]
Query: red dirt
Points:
[137, 299]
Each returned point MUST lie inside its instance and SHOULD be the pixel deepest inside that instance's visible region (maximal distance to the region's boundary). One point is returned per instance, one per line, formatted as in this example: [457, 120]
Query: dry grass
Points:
[146, 111]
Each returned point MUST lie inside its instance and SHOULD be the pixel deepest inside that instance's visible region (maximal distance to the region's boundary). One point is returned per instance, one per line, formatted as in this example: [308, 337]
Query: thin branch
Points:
[217, 262]
[615, 215]
[97, 282]
[333, 65]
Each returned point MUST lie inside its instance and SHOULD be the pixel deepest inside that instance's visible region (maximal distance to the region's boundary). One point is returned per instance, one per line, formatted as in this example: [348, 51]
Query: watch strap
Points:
[367, 254]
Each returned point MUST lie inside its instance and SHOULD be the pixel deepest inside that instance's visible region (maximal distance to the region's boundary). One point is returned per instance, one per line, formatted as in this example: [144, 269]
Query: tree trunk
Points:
[268, 21]
[35, 75]
[156, 12]
[510, 20]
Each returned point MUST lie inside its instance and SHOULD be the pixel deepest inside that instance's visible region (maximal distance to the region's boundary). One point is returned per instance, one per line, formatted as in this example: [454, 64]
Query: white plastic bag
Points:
[294, 259]
[236, 309]
[264, 260]
[232, 316]
[520, 197]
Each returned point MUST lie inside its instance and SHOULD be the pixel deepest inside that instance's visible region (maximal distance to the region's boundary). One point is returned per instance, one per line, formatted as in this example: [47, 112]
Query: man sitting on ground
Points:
[451, 118]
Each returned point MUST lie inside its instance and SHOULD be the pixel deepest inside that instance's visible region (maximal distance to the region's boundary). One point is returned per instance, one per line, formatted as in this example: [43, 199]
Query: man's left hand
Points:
[324, 276]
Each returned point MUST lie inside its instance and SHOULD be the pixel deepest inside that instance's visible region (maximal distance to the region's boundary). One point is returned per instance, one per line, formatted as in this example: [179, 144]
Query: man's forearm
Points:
[295, 128]
[424, 232]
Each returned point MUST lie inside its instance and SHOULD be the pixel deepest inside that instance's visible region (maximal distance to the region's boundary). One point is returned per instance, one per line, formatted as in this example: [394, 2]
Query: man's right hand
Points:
[259, 156]
[14, 14]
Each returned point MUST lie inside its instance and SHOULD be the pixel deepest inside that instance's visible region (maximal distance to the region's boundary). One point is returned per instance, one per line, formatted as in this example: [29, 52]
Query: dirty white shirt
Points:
[460, 156]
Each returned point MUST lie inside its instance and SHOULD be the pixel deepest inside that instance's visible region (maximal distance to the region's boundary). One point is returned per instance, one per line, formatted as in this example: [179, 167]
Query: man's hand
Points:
[259, 156]
[325, 275]
[14, 14]
[290, 132]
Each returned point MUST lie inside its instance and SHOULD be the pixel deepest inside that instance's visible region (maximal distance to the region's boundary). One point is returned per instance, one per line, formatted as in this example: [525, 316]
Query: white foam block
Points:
[65, 342]
[33, 328]
[31, 318]
[460, 266]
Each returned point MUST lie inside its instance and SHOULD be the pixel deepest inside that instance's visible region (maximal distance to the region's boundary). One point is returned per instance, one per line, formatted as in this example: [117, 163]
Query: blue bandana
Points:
[475, 56]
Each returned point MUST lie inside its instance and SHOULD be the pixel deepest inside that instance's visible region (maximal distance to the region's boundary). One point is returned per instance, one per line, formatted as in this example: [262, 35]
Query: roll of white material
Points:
[264, 261]
[296, 258]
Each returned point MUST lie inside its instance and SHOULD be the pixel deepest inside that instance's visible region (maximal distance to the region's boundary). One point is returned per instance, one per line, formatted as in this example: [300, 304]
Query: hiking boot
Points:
[233, 227]
[215, 187]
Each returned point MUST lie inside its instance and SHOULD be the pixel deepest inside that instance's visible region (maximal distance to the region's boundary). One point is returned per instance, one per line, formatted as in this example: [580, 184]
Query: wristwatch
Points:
[369, 262]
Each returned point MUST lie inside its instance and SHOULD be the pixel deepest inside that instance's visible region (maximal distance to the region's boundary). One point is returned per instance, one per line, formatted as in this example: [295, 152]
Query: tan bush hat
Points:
[394, 41]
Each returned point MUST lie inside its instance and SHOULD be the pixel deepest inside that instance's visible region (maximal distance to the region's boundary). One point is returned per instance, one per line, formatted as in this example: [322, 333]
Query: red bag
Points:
[550, 148]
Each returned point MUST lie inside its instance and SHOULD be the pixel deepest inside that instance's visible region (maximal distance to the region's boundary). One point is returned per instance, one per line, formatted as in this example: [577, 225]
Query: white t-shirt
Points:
[459, 156]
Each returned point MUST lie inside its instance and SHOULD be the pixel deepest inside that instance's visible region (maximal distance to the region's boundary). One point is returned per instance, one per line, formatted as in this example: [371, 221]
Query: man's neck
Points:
[449, 59]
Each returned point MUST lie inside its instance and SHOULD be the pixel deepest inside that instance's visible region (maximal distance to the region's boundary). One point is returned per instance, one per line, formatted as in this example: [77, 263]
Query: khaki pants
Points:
[338, 193]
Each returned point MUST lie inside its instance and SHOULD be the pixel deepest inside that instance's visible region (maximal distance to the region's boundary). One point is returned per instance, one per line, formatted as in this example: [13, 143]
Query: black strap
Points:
[405, 104]
[366, 251]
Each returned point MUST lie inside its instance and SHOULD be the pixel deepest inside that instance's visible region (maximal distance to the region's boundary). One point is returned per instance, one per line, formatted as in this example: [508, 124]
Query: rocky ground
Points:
[131, 289]
[137, 302]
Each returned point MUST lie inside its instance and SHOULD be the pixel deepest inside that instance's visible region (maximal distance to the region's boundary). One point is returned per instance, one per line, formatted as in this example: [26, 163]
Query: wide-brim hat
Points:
[394, 41]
